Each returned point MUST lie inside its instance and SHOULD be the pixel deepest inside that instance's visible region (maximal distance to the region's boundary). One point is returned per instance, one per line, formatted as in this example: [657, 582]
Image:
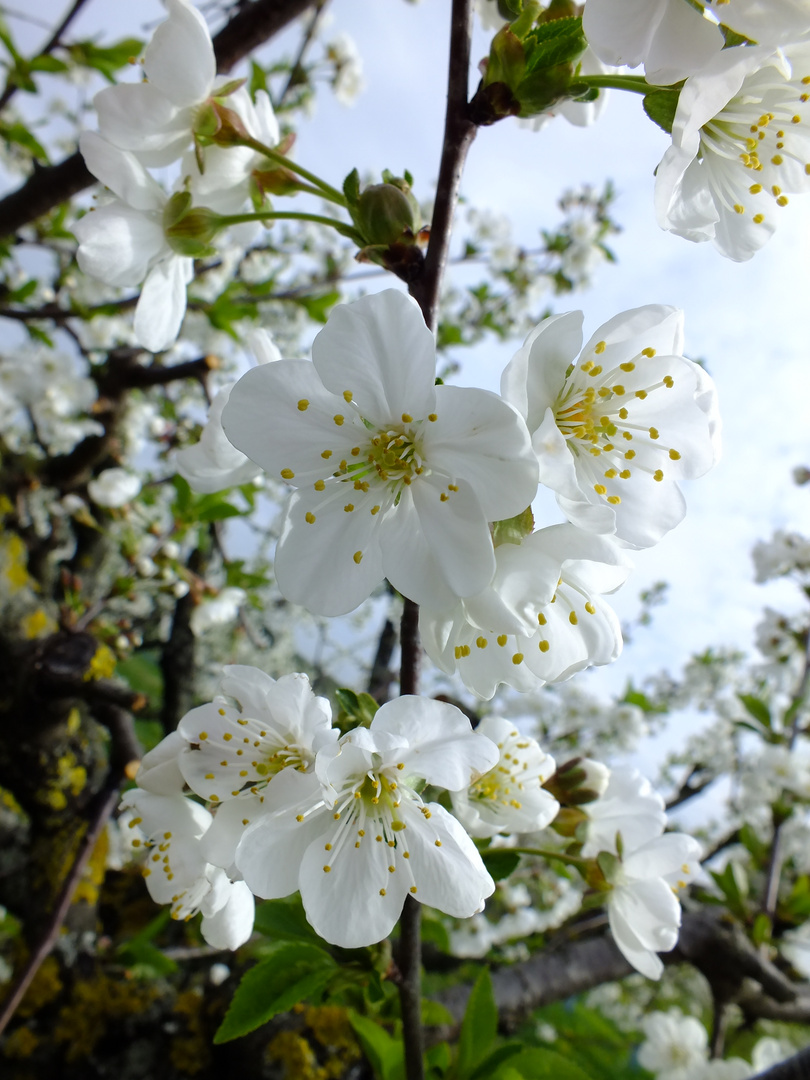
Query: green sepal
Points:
[513, 530]
[661, 106]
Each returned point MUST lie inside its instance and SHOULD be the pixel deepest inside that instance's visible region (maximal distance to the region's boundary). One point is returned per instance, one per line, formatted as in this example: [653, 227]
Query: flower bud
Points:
[384, 213]
[578, 781]
[189, 230]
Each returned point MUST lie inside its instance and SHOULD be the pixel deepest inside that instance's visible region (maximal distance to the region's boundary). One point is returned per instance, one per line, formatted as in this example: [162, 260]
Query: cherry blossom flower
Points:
[395, 477]
[113, 488]
[510, 797]
[178, 873]
[740, 146]
[155, 118]
[776, 22]
[217, 610]
[643, 909]
[675, 1046]
[356, 837]
[123, 243]
[541, 619]
[615, 428]
[255, 727]
[669, 37]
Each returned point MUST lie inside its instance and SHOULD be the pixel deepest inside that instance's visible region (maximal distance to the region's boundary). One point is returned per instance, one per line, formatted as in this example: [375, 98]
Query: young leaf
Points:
[284, 920]
[478, 1027]
[500, 863]
[292, 972]
[539, 1064]
[660, 106]
[385, 1055]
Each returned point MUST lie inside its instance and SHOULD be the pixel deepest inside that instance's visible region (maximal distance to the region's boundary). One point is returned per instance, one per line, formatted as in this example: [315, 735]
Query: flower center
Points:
[594, 411]
[392, 457]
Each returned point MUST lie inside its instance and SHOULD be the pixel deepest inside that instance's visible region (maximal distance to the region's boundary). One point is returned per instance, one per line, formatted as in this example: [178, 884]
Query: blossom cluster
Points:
[170, 119]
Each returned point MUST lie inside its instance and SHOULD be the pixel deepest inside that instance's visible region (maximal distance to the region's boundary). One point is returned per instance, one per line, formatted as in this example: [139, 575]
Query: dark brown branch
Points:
[296, 67]
[177, 662]
[381, 677]
[795, 1068]
[54, 184]
[459, 132]
[11, 88]
[100, 810]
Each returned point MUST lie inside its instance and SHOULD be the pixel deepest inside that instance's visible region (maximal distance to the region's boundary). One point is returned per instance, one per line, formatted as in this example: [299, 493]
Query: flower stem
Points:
[284, 215]
[636, 84]
[325, 190]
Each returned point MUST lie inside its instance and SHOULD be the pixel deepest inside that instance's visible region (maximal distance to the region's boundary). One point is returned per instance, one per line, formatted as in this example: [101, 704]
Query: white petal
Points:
[480, 438]
[117, 244]
[179, 59]
[533, 377]
[379, 349]
[684, 42]
[232, 924]
[121, 172]
[443, 749]
[139, 118]
[159, 770]
[162, 303]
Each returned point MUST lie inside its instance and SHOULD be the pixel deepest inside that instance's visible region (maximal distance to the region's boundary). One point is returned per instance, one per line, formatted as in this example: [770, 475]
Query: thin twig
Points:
[306, 41]
[11, 88]
[104, 804]
[459, 132]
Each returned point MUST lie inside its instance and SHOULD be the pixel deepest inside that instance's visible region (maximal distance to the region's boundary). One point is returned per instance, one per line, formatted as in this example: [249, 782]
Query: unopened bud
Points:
[578, 781]
[384, 213]
[189, 230]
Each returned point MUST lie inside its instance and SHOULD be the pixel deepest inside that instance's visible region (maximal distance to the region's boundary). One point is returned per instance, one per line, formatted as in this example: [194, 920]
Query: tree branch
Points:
[11, 88]
[795, 1068]
[54, 184]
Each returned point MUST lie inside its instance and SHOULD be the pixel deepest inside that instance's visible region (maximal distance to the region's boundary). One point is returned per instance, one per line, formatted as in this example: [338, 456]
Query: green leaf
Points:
[513, 530]
[560, 41]
[351, 187]
[48, 63]
[284, 920]
[18, 133]
[500, 862]
[661, 106]
[757, 708]
[733, 884]
[438, 1057]
[478, 1027]
[537, 1064]
[258, 80]
[107, 59]
[489, 1066]
[385, 1054]
[219, 512]
[434, 932]
[293, 971]
[318, 307]
[142, 671]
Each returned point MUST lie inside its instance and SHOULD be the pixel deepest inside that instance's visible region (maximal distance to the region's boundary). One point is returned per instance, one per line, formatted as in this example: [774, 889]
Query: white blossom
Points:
[114, 487]
[675, 1046]
[740, 146]
[217, 610]
[395, 476]
[510, 797]
[615, 428]
[628, 806]
[541, 619]
[360, 839]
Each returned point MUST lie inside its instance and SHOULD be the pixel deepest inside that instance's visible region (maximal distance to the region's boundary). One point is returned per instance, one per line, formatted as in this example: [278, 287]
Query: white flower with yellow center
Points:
[615, 428]
[254, 728]
[541, 619]
[170, 828]
[509, 798]
[395, 477]
[359, 839]
[740, 147]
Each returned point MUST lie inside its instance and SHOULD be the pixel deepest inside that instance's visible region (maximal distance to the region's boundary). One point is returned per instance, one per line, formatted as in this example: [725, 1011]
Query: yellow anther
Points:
[623, 414]
[355, 451]
[541, 619]
[572, 618]
[600, 489]
[413, 889]
[674, 455]
[327, 869]
[629, 366]
[338, 419]
[517, 658]
[600, 347]
[796, 119]
[648, 352]
[227, 736]
[755, 189]
[481, 642]
[758, 219]
[349, 507]
[501, 639]
[438, 843]
[358, 555]
[375, 510]
[625, 474]
[595, 371]
[776, 189]
[782, 200]
[544, 646]
[347, 395]
[590, 608]
[777, 159]
[319, 485]
[432, 417]
[668, 381]
[444, 496]
[287, 474]
[654, 433]
[618, 389]
[739, 208]
[309, 517]
[326, 454]
[303, 405]
[614, 499]
[658, 475]
[641, 394]
[407, 418]
[203, 736]
[610, 474]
